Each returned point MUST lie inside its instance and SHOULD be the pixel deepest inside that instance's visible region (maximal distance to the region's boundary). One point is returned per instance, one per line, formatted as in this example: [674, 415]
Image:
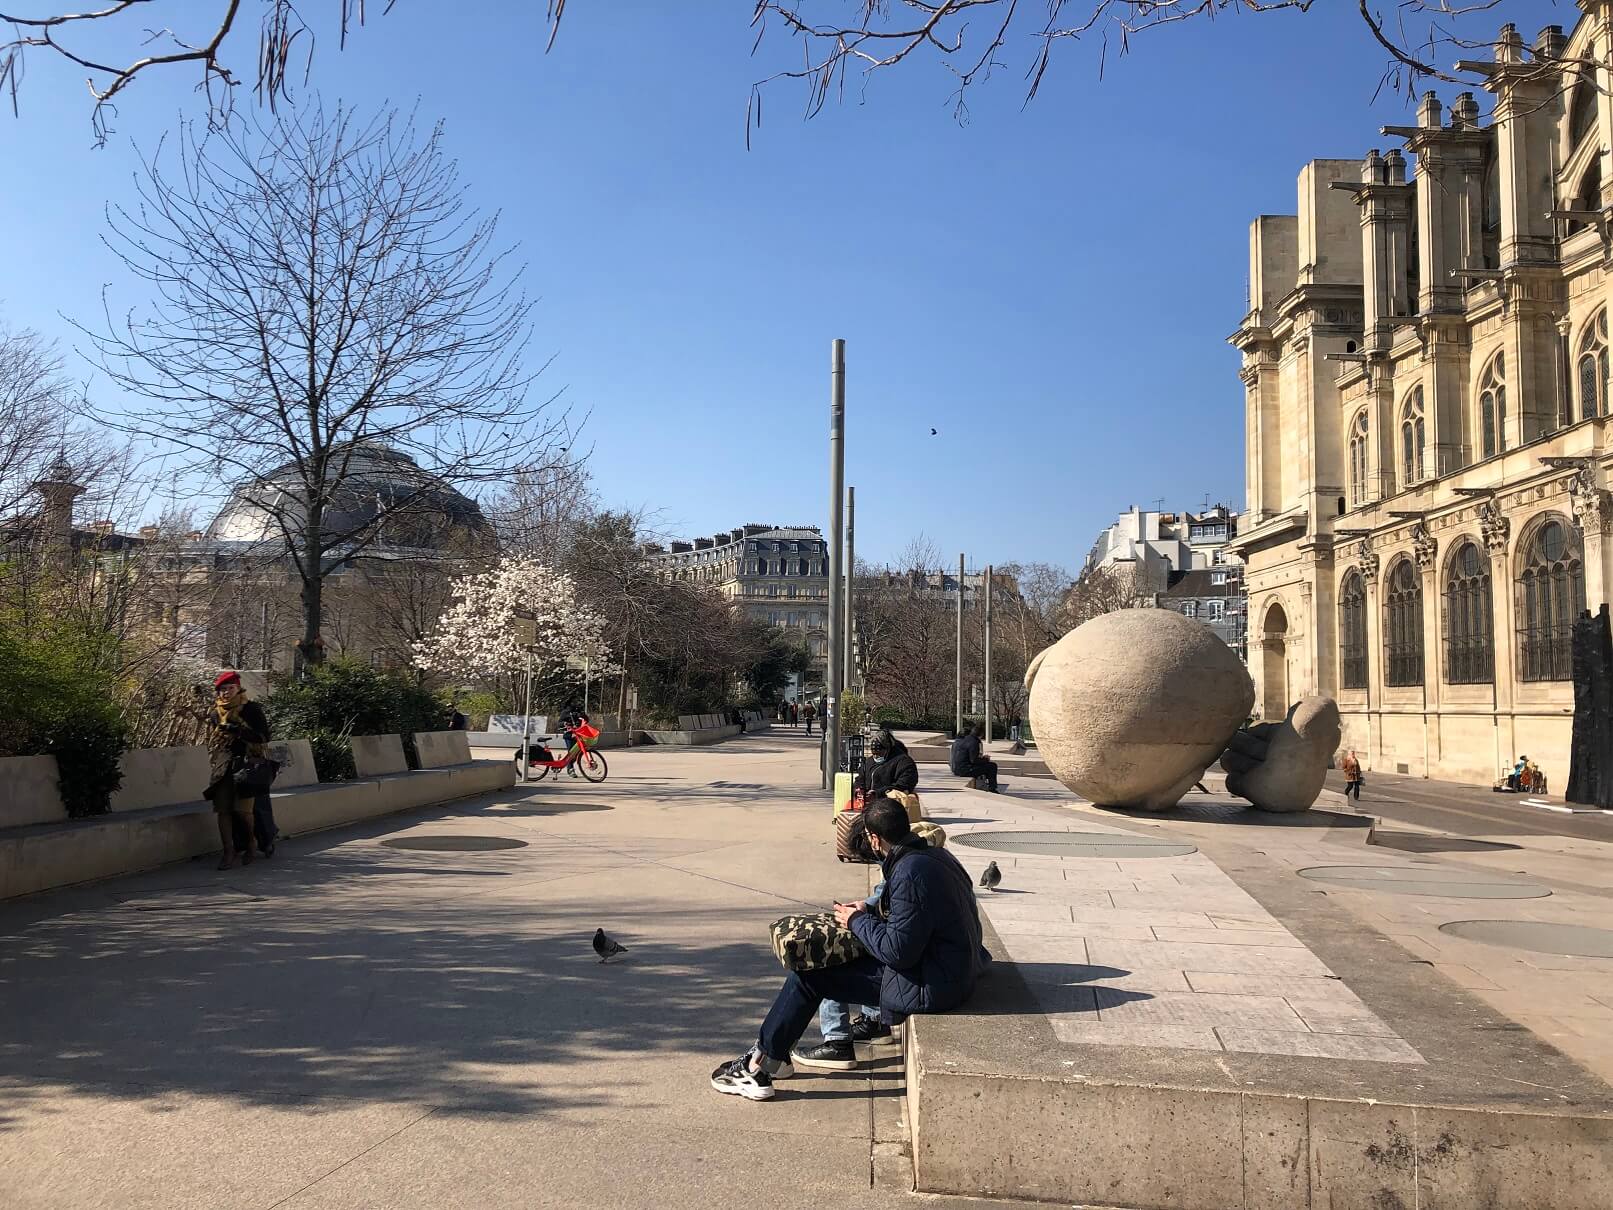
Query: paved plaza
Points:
[409, 1012]
[355, 1024]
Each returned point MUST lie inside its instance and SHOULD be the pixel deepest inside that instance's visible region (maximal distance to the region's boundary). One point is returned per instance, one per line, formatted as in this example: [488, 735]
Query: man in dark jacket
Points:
[969, 761]
[890, 768]
[924, 953]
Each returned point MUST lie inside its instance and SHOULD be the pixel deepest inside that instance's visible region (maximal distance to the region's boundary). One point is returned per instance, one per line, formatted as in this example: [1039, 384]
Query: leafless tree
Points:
[972, 39]
[324, 301]
[36, 401]
[543, 507]
[1100, 590]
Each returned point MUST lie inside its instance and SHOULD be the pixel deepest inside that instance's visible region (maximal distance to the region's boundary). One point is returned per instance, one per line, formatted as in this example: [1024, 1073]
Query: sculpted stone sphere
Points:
[1130, 708]
[1280, 766]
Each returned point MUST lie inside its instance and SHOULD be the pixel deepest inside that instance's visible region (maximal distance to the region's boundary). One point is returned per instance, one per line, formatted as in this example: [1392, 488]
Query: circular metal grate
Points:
[1539, 936]
[454, 844]
[1075, 844]
[1425, 880]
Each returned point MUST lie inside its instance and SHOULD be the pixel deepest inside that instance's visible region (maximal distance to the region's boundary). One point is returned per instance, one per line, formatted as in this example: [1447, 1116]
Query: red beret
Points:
[226, 678]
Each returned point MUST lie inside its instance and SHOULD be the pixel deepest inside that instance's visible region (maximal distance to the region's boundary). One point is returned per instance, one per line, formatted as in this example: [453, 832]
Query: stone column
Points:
[1527, 110]
[1425, 551]
[1367, 564]
[1496, 531]
[1593, 515]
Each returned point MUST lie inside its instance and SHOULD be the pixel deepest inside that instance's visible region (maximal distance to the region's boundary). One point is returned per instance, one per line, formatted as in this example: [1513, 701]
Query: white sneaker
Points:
[736, 1077]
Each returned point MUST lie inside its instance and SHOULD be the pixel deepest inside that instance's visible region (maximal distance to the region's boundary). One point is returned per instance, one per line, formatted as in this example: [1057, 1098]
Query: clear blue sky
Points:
[1049, 287]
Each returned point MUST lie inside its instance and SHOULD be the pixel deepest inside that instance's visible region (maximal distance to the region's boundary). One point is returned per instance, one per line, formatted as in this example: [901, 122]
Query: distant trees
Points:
[1099, 590]
[324, 300]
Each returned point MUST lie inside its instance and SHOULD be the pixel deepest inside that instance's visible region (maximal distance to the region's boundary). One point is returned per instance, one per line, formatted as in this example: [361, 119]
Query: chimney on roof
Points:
[148, 533]
[103, 527]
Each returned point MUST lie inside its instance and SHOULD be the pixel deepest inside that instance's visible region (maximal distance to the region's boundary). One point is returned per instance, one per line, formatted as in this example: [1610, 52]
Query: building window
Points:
[1358, 458]
[1493, 407]
[804, 570]
[1469, 629]
[1217, 610]
[1190, 609]
[1593, 368]
[1551, 592]
[1403, 644]
[1353, 633]
[1411, 439]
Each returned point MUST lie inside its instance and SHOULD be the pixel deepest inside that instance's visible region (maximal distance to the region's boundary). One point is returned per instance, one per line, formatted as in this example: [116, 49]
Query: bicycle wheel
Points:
[592, 766]
[534, 767]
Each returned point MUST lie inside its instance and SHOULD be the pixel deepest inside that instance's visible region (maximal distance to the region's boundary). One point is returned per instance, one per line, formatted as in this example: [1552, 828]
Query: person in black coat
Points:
[969, 760]
[890, 768]
[924, 952]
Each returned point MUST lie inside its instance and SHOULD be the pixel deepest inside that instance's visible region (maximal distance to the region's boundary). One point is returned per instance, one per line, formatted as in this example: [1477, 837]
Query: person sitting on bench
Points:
[890, 769]
[969, 761]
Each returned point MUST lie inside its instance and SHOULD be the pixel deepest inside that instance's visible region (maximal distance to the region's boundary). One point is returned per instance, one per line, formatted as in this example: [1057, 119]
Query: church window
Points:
[1358, 458]
[1493, 407]
[1469, 629]
[1593, 368]
[1551, 594]
[1353, 633]
[1404, 639]
[1411, 439]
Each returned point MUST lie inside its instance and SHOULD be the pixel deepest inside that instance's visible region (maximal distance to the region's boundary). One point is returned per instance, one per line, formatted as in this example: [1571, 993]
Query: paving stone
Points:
[1464, 976]
[1287, 986]
[1066, 999]
[1012, 908]
[1328, 1016]
[1124, 1006]
[1148, 919]
[1278, 937]
[1253, 920]
[1316, 1046]
[1232, 959]
[1067, 947]
[1081, 1031]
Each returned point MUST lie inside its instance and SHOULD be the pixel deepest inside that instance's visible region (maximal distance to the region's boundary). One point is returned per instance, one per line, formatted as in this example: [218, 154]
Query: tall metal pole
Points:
[837, 496]
[988, 653]
[526, 728]
[849, 665]
[958, 728]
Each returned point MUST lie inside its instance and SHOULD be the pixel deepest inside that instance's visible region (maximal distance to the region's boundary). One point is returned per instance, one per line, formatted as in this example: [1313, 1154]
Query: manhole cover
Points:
[454, 844]
[1075, 844]
[1425, 880]
[1543, 938]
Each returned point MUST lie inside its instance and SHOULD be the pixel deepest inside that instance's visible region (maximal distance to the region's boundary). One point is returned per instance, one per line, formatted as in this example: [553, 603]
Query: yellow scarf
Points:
[225, 734]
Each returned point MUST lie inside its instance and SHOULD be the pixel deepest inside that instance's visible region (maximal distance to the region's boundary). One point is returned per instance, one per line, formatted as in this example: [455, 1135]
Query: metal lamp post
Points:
[837, 495]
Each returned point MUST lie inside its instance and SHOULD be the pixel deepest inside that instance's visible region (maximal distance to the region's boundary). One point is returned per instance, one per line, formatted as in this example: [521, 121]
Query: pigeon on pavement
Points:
[991, 878]
[607, 947]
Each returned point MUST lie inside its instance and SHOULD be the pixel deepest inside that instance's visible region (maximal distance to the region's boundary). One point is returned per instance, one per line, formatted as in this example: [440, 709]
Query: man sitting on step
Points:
[923, 956]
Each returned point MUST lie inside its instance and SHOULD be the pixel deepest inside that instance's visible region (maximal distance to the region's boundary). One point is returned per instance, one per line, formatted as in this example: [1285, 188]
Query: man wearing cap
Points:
[238, 730]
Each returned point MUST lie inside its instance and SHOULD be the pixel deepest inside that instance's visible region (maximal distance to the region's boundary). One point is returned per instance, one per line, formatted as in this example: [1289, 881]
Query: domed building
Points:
[422, 512]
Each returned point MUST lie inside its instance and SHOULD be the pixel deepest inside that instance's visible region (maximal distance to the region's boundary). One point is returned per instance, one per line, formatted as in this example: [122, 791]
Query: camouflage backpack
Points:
[809, 943]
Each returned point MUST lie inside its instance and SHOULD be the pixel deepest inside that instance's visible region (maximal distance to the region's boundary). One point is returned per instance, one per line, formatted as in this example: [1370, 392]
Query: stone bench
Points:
[41, 857]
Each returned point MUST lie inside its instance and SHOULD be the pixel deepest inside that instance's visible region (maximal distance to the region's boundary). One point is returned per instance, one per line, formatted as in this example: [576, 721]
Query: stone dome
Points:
[424, 510]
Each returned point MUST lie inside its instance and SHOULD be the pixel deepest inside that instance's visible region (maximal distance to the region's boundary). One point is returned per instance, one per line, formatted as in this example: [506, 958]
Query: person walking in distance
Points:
[809, 712]
[237, 732]
[1352, 775]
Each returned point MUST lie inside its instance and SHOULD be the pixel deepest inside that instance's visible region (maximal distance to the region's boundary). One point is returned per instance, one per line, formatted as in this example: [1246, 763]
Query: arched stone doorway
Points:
[1274, 664]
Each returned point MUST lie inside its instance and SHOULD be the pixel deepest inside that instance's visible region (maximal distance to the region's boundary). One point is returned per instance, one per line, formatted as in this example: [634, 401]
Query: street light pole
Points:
[958, 727]
[988, 652]
[837, 496]
[526, 727]
[849, 664]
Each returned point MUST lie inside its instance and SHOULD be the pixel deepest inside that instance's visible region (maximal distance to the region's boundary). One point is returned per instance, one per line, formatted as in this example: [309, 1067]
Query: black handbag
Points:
[256, 775]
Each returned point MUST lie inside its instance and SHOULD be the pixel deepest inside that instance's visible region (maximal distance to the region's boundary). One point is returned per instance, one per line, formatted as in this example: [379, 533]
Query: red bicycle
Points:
[579, 754]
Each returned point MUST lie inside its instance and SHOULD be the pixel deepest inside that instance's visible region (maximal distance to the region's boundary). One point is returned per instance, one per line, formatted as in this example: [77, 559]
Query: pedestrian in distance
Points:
[924, 953]
[1352, 775]
[237, 736]
[810, 712]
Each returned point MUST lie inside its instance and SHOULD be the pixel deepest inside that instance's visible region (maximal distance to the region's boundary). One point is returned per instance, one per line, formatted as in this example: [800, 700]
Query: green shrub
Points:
[343, 698]
[57, 698]
[333, 756]
[853, 712]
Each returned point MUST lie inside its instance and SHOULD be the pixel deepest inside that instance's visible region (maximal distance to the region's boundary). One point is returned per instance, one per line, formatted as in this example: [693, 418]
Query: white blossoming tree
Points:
[496, 616]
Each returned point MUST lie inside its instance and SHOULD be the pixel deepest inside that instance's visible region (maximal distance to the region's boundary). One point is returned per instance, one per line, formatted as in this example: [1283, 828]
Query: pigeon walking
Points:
[991, 877]
[607, 947]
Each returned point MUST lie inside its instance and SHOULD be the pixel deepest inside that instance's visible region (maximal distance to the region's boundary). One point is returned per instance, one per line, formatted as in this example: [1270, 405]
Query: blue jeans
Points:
[803, 991]
[834, 1016]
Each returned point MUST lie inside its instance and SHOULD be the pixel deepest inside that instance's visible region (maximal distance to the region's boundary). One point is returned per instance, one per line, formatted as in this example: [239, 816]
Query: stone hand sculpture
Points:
[1131, 707]
[1281, 766]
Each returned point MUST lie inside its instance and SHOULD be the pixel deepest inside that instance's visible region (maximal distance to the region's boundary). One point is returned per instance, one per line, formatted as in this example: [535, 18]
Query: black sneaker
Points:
[869, 1029]
[838, 1055]
[736, 1077]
